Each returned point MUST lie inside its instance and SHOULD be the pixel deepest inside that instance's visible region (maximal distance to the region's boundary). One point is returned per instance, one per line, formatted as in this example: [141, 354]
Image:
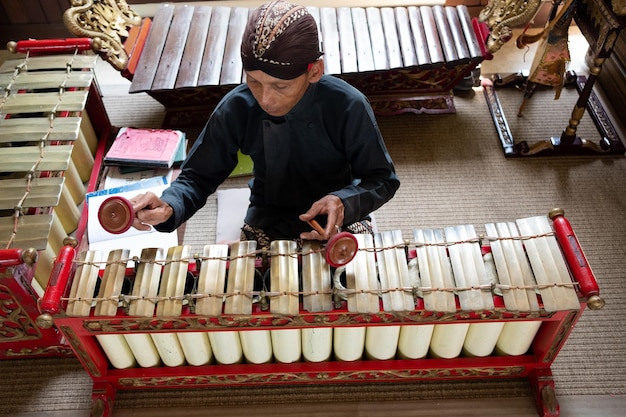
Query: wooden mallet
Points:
[116, 214]
[340, 248]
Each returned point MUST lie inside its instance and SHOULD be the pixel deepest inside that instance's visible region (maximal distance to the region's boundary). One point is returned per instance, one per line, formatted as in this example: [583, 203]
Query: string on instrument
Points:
[482, 238]
[417, 291]
[127, 299]
[296, 254]
[18, 70]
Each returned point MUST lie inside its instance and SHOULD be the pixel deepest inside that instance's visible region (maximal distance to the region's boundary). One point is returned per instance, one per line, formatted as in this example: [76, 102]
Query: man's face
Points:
[277, 97]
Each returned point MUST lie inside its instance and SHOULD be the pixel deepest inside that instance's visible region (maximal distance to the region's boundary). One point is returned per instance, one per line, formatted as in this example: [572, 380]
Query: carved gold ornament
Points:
[107, 23]
[502, 15]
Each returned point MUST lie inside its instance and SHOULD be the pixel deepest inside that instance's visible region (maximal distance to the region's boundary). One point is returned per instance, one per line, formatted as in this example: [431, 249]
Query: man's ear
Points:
[316, 71]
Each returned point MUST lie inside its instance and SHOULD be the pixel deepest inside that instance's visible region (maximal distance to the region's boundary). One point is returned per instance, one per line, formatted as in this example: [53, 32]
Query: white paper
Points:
[133, 239]
[115, 178]
[232, 205]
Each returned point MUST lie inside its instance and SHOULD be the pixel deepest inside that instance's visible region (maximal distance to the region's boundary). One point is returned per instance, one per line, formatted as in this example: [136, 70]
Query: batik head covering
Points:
[280, 39]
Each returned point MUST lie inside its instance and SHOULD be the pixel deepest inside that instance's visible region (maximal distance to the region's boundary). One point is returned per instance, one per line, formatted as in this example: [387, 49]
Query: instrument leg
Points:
[102, 397]
[542, 385]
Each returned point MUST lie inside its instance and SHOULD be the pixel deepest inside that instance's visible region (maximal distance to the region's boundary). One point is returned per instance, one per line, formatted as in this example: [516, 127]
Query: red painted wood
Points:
[579, 267]
[53, 46]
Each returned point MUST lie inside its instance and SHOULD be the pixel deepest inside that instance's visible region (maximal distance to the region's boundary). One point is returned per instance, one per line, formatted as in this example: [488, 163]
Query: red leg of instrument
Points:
[542, 384]
[579, 267]
[102, 396]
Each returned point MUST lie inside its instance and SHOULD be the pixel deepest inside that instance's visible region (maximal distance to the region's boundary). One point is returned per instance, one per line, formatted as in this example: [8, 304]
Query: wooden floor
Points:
[578, 406]
[518, 407]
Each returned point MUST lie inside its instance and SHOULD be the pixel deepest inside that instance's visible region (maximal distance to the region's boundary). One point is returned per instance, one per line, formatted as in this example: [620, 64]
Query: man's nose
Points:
[267, 97]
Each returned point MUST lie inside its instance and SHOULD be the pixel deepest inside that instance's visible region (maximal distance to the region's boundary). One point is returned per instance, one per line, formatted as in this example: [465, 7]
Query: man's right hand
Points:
[149, 210]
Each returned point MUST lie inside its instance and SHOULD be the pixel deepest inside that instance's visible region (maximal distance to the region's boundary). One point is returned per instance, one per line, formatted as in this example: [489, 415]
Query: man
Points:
[316, 147]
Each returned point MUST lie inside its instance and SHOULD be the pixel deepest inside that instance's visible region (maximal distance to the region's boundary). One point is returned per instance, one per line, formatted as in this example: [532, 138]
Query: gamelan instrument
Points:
[187, 57]
[51, 118]
[448, 303]
[48, 149]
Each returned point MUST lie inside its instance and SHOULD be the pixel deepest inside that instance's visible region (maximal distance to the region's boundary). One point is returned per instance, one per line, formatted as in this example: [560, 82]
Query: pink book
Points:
[145, 147]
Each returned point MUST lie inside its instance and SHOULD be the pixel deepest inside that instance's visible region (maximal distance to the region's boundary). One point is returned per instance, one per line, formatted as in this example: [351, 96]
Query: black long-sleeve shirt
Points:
[329, 143]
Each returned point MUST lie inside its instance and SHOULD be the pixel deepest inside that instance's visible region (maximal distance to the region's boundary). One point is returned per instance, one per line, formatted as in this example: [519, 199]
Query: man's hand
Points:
[332, 207]
[149, 210]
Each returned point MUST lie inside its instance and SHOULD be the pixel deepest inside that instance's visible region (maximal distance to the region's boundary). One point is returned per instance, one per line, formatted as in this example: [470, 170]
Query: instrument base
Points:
[566, 144]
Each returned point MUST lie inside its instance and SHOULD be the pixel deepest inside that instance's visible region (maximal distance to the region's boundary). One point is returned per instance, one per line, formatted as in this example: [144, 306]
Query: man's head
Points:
[280, 54]
[280, 39]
